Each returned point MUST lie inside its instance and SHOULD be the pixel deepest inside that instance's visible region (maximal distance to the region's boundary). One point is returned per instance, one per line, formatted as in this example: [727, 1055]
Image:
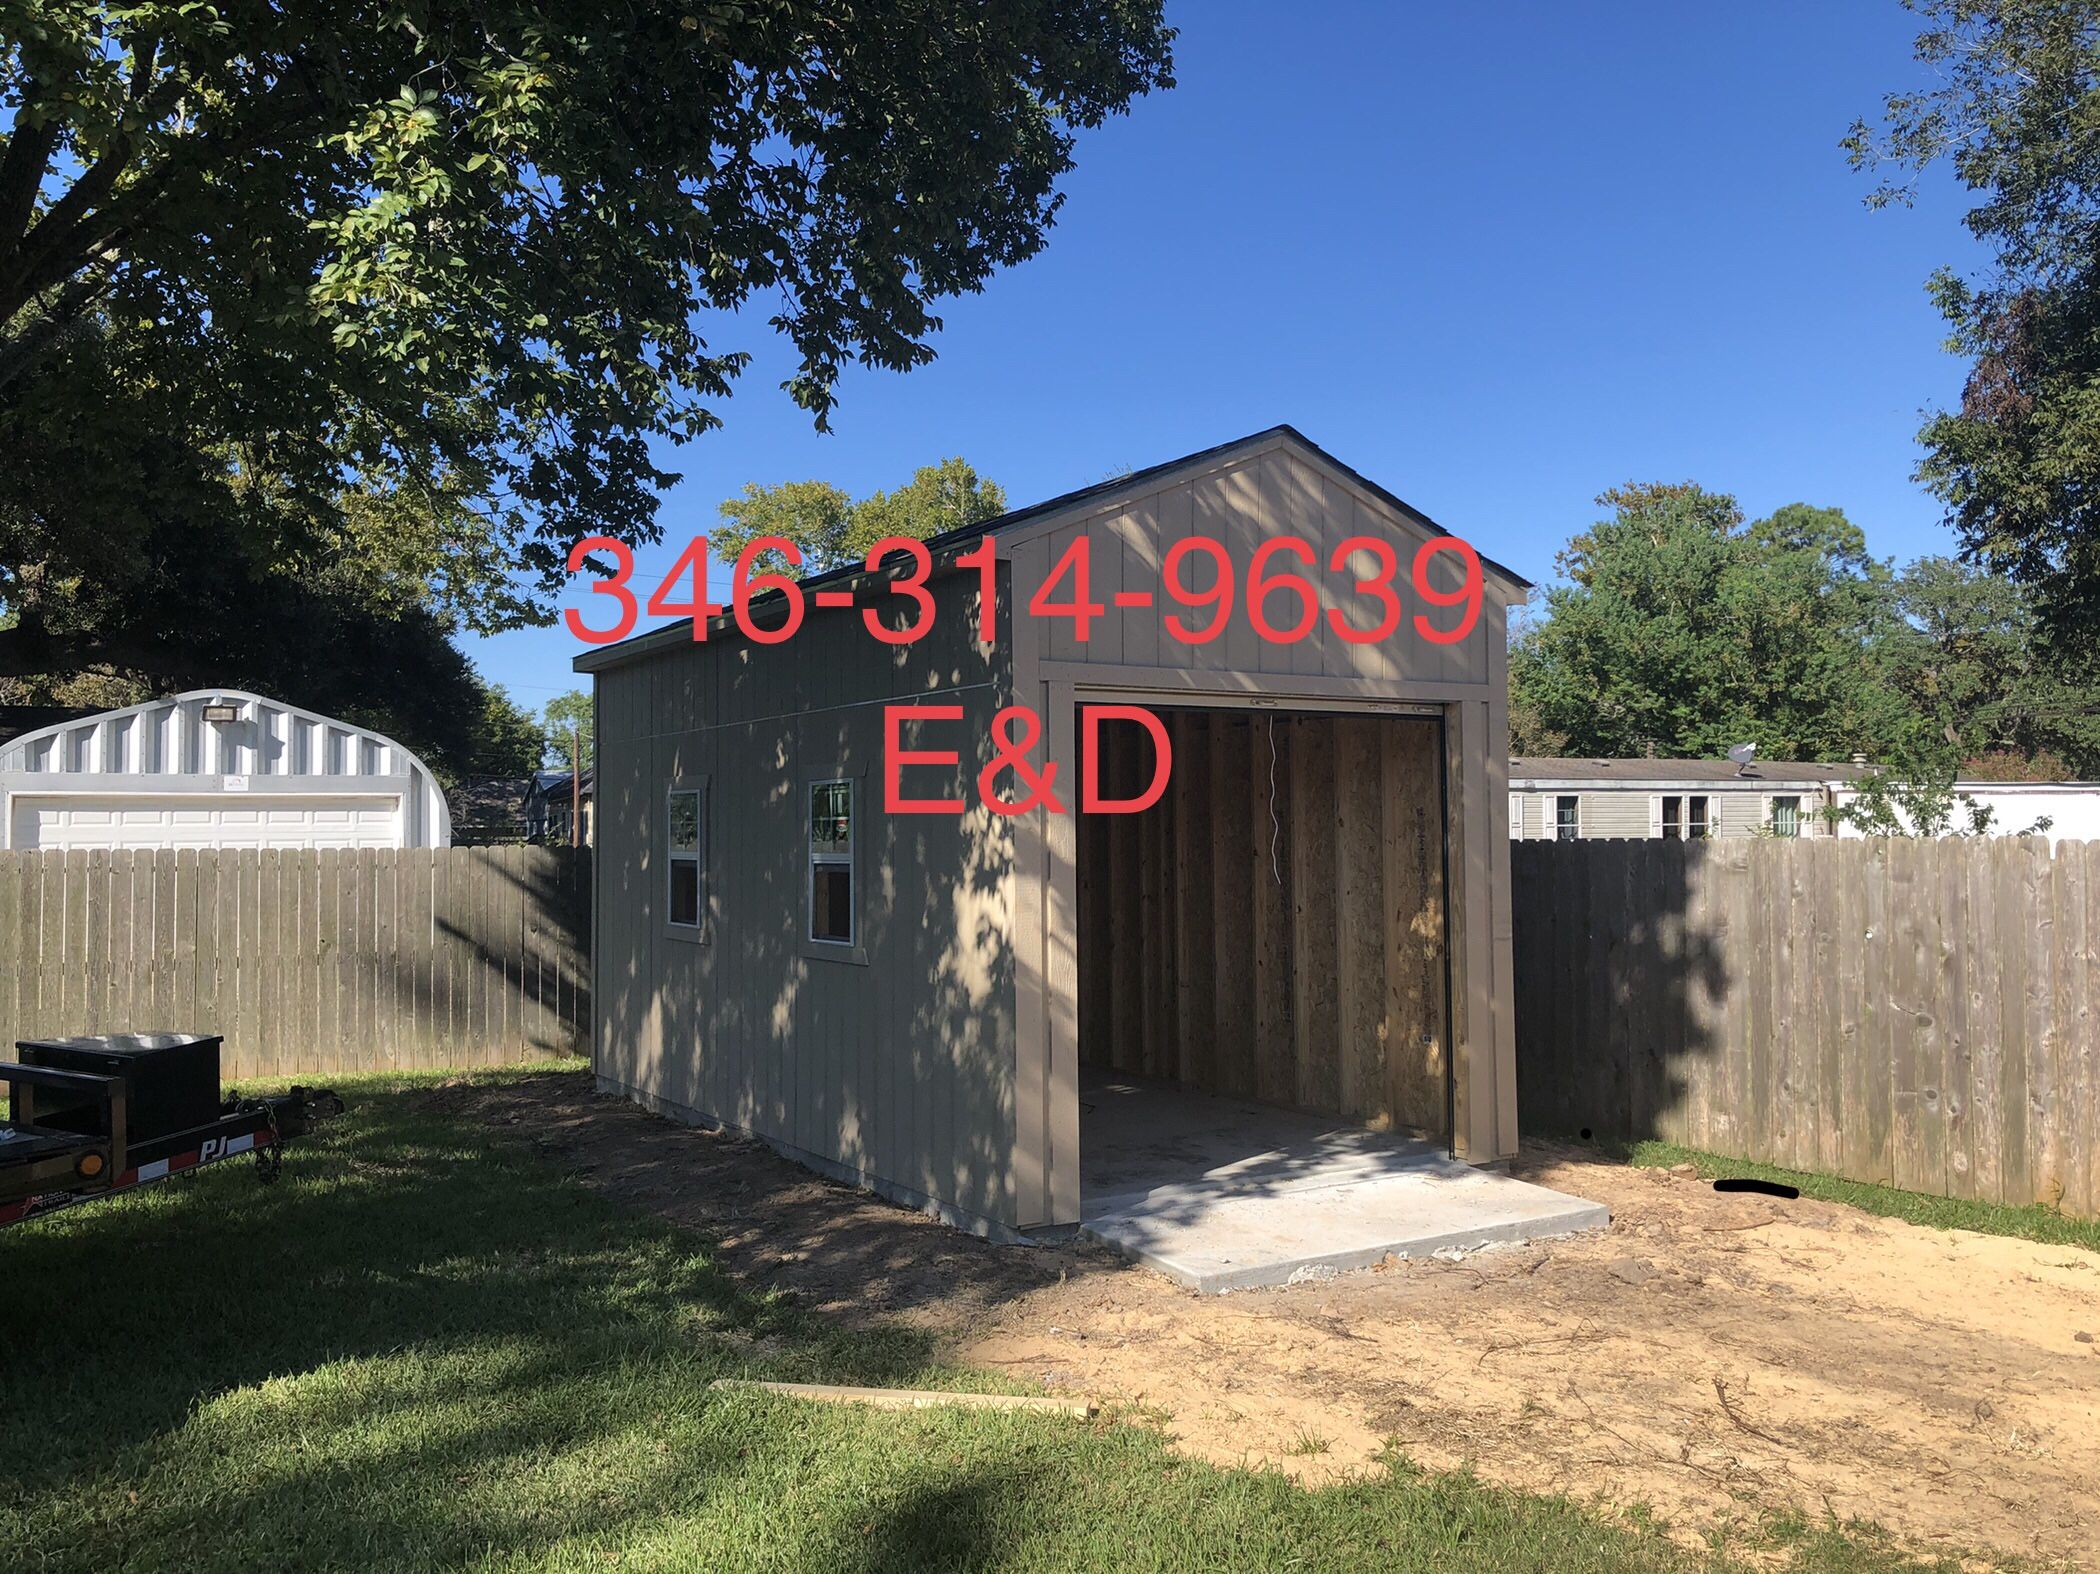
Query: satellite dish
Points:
[1743, 754]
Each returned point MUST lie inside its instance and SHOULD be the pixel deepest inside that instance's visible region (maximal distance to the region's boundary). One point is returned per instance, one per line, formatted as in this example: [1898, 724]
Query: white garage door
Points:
[291, 820]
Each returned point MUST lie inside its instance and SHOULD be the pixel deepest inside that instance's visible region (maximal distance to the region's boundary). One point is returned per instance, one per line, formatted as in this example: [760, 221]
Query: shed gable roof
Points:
[1021, 522]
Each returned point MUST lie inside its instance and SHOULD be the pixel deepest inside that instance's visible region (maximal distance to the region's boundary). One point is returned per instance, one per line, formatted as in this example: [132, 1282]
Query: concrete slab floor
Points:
[1225, 1194]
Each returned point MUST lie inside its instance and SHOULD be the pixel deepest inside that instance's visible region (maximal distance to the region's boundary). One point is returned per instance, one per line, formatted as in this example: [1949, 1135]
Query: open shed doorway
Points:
[1262, 954]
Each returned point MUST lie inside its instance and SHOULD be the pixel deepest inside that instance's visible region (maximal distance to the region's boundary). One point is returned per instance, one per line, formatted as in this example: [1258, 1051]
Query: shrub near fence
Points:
[306, 962]
[1915, 1013]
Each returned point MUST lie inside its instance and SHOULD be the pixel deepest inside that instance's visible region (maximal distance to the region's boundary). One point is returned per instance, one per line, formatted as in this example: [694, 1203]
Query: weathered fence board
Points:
[1915, 1013]
[306, 962]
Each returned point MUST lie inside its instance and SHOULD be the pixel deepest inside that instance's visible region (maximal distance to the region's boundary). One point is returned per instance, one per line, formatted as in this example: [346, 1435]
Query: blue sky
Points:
[1497, 257]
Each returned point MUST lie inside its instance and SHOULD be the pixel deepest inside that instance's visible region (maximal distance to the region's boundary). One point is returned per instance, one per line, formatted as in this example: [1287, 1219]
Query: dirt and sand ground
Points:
[1712, 1356]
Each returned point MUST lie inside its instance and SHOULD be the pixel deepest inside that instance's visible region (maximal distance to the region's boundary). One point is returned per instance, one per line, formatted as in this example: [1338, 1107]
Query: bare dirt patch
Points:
[1712, 1356]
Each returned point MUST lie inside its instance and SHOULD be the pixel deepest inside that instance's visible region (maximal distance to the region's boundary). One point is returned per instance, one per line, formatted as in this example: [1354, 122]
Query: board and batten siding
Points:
[898, 1070]
[1243, 503]
[1247, 496]
[944, 1071]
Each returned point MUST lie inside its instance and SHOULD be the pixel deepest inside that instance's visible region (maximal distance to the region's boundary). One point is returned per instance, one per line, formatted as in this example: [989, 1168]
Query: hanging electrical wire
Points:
[1275, 823]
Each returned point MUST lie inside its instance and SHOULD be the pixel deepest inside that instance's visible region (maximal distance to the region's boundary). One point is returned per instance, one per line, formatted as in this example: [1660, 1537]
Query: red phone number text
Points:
[1273, 582]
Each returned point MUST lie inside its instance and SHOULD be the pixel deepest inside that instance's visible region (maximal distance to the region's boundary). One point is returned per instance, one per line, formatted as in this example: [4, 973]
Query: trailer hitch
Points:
[289, 1115]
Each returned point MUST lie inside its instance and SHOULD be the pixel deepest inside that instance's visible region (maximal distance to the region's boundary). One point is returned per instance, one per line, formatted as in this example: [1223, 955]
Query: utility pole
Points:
[575, 785]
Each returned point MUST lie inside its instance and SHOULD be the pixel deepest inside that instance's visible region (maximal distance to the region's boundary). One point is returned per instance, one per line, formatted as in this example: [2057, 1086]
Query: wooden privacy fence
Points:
[305, 962]
[1916, 1013]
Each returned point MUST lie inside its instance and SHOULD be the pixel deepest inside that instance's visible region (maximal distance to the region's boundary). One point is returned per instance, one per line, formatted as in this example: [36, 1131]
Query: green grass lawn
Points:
[2033, 1223]
[425, 1346]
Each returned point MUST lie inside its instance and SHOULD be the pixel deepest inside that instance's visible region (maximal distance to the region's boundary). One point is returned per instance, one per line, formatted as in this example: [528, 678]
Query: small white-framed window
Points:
[1698, 818]
[1671, 820]
[685, 850]
[1567, 818]
[1785, 818]
[834, 909]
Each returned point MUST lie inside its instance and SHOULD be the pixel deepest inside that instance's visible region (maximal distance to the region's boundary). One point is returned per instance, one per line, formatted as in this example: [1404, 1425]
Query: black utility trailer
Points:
[89, 1117]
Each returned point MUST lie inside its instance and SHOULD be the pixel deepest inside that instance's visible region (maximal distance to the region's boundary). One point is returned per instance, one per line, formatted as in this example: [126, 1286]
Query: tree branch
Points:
[22, 170]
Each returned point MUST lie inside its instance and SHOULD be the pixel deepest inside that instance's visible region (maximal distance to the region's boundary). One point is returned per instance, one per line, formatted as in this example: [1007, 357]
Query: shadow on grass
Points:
[415, 1305]
[426, 1347]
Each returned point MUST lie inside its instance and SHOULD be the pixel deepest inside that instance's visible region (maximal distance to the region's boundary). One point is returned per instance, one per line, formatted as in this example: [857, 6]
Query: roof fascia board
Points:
[1516, 590]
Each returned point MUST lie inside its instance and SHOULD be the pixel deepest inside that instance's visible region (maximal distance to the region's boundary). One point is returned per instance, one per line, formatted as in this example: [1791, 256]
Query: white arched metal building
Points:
[216, 768]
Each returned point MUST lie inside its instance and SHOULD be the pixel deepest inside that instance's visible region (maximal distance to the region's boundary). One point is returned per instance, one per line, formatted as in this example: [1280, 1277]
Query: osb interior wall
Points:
[1274, 927]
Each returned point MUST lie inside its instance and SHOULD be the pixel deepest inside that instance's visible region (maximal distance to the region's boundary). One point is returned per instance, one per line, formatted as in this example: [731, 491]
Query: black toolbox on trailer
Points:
[90, 1117]
[171, 1081]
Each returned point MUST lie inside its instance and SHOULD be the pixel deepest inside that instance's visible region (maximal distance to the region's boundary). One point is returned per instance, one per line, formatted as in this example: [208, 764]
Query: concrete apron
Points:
[1225, 1194]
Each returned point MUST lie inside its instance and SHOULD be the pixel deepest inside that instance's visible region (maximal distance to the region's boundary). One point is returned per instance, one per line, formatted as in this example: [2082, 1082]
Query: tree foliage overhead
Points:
[481, 256]
[2014, 110]
[1680, 630]
[833, 530]
[197, 572]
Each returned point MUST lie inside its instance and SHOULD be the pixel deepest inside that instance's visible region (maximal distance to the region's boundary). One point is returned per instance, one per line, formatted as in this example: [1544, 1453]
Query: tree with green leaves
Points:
[506, 740]
[2013, 107]
[481, 259]
[832, 530]
[199, 574]
[1922, 803]
[1681, 630]
[1985, 677]
[569, 731]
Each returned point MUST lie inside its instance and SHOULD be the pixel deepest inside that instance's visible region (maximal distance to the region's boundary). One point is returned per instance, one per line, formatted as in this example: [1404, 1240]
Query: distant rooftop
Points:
[1636, 772]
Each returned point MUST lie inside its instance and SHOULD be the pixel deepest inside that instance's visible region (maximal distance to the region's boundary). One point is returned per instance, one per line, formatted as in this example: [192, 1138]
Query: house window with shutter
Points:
[1567, 818]
[1785, 818]
[1672, 818]
[1698, 822]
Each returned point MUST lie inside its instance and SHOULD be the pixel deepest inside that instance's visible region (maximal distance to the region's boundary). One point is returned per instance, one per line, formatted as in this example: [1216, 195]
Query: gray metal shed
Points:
[215, 768]
[1315, 915]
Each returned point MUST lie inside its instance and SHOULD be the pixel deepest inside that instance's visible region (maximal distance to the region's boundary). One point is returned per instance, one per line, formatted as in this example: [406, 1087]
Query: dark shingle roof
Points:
[485, 800]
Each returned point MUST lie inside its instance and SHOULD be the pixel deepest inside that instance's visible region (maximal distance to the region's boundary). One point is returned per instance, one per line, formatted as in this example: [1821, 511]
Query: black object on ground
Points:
[1763, 1188]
